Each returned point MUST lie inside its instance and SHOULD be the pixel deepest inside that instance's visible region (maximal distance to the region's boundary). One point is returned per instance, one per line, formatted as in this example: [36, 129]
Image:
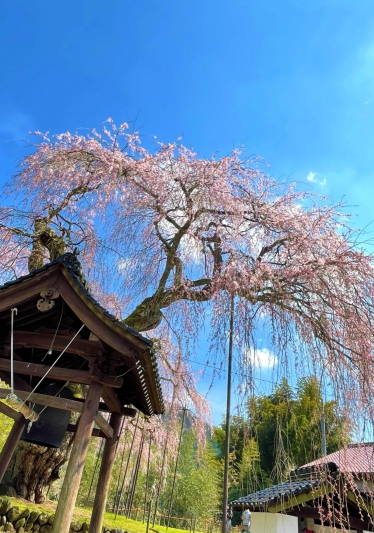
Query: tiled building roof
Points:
[263, 498]
[355, 459]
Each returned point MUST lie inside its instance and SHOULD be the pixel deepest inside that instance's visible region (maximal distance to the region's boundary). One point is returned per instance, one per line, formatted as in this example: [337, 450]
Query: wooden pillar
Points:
[107, 461]
[10, 445]
[73, 476]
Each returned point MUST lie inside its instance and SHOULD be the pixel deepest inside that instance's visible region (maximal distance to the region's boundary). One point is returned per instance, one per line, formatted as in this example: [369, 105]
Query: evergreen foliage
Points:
[281, 431]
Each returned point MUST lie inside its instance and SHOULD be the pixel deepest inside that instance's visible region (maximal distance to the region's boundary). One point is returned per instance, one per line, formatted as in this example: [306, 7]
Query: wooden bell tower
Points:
[61, 334]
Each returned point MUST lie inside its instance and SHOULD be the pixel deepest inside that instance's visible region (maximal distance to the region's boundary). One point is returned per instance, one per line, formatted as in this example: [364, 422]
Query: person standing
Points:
[246, 520]
[309, 526]
[229, 516]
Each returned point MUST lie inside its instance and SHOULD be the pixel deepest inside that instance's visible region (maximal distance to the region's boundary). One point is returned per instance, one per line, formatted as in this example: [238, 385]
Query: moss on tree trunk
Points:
[34, 468]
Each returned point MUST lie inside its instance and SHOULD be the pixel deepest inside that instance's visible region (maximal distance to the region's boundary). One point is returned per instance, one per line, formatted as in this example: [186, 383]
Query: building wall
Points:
[273, 523]
[281, 523]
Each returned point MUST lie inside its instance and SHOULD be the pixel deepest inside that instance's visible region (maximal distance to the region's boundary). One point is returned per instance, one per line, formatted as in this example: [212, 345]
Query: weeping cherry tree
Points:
[166, 238]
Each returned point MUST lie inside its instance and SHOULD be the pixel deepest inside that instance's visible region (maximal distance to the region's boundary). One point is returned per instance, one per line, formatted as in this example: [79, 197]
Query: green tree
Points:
[282, 431]
[287, 426]
[250, 475]
[269, 420]
[197, 484]
[245, 473]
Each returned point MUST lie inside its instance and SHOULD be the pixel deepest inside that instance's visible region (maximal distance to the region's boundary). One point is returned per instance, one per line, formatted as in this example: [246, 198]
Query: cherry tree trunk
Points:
[34, 468]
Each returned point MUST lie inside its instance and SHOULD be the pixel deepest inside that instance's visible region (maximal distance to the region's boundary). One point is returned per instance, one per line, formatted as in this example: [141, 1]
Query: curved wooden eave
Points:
[113, 334]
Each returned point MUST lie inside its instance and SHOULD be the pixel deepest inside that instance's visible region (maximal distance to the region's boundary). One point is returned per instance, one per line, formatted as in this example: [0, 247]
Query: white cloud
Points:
[126, 264]
[263, 358]
[312, 178]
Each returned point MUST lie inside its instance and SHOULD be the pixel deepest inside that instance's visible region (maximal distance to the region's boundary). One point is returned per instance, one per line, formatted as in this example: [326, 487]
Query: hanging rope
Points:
[61, 389]
[58, 358]
[49, 351]
[12, 400]
[15, 403]
[13, 312]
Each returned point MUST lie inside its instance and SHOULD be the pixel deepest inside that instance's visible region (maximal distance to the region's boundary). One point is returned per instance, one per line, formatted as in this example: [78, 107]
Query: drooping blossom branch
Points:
[175, 235]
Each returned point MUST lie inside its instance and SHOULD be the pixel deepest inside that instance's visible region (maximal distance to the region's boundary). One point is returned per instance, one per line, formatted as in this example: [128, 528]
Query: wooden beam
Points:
[44, 399]
[104, 425]
[108, 381]
[103, 408]
[19, 383]
[130, 412]
[11, 413]
[72, 428]
[61, 403]
[74, 471]
[10, 445]
[60, 374]
[32, 339]
[307, 512]
[111, 400]
[18, 293]
[298, 500]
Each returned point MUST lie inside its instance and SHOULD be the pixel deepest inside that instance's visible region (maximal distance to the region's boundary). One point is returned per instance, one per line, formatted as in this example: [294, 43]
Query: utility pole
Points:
[323, 432]
[323, 420]
[228, 409]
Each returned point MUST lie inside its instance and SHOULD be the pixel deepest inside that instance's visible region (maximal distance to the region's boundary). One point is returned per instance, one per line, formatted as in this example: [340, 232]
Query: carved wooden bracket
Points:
[46, 302]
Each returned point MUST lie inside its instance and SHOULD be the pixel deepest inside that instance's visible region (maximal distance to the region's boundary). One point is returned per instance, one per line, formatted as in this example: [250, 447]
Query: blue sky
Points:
[292, 80]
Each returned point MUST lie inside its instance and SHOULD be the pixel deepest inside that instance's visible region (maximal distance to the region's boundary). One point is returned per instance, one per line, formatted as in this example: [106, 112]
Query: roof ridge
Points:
[360, 444]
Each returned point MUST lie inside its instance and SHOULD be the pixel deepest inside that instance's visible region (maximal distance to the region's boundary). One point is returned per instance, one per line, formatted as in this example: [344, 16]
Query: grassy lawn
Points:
[84, 515]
